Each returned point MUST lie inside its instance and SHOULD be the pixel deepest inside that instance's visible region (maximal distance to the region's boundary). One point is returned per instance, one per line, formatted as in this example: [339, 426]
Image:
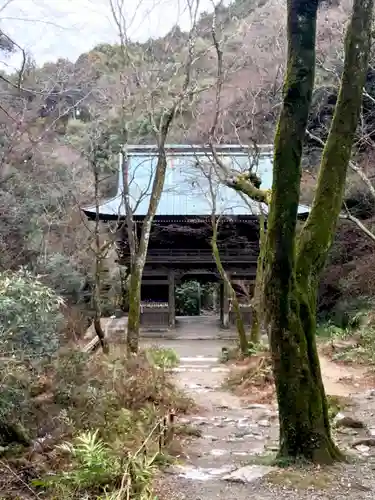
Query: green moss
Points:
[258, 309]
[132, 339]
[302, 478]
[290, 288]
[242, 339]
[336, 404]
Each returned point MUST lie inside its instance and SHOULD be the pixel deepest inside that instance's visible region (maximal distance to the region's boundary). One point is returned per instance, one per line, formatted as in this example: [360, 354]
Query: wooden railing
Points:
[187, 255]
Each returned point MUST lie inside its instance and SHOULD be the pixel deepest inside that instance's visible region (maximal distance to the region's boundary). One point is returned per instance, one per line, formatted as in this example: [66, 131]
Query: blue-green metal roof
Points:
[193, 181]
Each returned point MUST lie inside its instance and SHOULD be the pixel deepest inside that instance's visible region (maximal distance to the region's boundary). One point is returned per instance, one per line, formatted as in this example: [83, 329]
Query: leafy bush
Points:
[330, 330]
[347, 313]
[29, 316]
[29, 330]
[63, 275]
[355, 342]
[162, 357]
[188, 299]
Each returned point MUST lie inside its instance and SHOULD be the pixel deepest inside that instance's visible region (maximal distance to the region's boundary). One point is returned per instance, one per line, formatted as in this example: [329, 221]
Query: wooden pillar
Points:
[171, 299]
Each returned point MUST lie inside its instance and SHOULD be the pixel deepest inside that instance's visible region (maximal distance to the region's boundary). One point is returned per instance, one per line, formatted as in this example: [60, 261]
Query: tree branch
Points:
[316, 235]
[243, 184]
[358, 223]
[356, 168]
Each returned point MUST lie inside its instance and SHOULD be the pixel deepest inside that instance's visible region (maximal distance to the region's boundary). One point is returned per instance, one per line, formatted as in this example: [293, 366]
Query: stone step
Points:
[199, 359]
[202, 368]
[199, 364]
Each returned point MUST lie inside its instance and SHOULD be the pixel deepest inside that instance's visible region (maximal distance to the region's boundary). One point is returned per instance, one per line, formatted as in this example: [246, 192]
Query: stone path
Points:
[225, 462]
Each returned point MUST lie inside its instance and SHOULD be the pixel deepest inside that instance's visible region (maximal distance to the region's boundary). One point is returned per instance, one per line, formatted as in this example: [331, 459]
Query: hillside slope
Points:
[47, 127]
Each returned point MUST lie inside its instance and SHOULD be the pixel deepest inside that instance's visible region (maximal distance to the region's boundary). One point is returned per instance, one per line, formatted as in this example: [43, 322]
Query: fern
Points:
[95, 468]
[93, 465]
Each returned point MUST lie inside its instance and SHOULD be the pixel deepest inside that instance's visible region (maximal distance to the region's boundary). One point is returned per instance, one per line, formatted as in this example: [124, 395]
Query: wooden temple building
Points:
[179, 246]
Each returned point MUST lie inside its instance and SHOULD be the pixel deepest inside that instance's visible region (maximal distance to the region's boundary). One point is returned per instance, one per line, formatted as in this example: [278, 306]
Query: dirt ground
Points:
[231, 459]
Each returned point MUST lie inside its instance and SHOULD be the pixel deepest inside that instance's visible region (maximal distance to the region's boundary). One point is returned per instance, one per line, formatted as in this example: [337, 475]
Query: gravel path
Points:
[231, 458]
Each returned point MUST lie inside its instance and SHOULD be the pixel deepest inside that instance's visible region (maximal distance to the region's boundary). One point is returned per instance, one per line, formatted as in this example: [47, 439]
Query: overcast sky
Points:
[65, 28]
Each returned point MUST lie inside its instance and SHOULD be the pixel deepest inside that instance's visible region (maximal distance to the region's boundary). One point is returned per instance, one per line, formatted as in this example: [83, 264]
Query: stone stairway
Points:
[200, 363]
[231, 433]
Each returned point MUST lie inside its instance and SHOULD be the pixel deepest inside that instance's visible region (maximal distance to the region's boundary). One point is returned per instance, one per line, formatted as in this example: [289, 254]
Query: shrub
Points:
[29, 324]
[94, 466]
[63, 275]
[107, 407]
[29, 316]
[96, 469]
[111, 394]
[252, 378]
[188, 299]
[162, 357]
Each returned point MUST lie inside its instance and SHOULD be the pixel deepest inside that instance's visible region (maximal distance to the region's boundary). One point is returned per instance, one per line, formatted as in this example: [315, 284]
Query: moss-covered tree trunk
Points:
[134, 303]
[292, 267]
[257, 308]
[139, 258]
[242, 339]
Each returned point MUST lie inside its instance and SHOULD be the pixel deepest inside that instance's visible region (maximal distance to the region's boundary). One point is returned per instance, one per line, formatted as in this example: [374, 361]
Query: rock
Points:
[256, 449]
[342, 420]
[248, 474]
[198, 473]
[209, 437]
[183, 420]
[347, 431]
[264, 423]
[220, 425]
[364, 442]
[257, 432]
[199, 419]
[240, 434]
[243, 422]
[234, 439]
[371, 432]
[257, 406]
[218, 453]
[363, 449]
[258, 437]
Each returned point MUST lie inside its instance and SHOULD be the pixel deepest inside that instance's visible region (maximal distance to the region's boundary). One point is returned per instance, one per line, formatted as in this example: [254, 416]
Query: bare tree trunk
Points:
[236, 306]
[291, 277]
[99, 251]
[139, 259]
[139, 248]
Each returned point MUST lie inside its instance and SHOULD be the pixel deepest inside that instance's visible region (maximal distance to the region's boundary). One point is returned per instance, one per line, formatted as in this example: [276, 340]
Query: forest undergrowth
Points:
[88, 426]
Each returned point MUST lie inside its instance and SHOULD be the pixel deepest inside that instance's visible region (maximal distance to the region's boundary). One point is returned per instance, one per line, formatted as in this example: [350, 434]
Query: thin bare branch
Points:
[354, 166]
